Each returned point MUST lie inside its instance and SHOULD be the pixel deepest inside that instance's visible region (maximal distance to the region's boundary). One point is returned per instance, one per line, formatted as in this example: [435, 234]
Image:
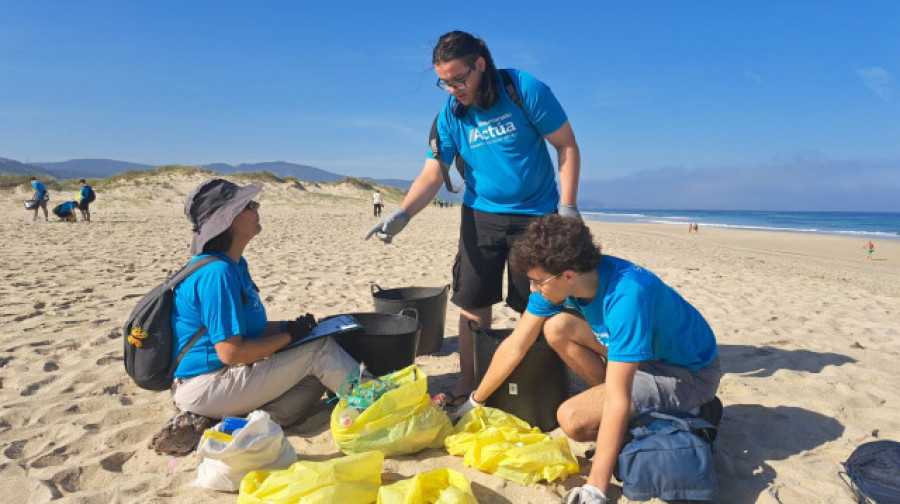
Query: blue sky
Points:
[693, 87]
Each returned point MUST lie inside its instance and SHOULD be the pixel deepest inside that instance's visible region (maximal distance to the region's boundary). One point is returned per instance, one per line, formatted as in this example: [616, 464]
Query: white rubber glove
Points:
[466, 407]
[586, 494]
[569, 211]
[389, 226]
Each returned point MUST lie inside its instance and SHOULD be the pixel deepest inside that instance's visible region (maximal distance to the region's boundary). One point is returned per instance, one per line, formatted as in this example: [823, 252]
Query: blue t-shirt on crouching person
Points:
[639, 318]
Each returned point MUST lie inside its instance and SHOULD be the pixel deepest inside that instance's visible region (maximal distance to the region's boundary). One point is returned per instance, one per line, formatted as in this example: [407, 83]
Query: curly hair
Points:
[556, 244]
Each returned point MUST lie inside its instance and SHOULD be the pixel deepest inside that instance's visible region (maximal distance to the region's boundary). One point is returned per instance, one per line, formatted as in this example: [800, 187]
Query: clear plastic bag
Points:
[228, 457]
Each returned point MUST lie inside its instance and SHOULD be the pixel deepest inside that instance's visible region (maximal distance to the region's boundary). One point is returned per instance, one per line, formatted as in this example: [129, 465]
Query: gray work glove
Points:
[587, 494]
[389, 226]
[569, 211]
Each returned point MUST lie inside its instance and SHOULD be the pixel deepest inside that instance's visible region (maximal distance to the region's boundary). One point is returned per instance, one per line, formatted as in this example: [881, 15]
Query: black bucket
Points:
[429, 302]
[385, 343]
[535, 389]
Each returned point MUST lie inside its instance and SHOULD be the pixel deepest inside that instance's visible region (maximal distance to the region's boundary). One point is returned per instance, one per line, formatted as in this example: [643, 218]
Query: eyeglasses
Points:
[455, 83]
[252, 205]
[539, 285]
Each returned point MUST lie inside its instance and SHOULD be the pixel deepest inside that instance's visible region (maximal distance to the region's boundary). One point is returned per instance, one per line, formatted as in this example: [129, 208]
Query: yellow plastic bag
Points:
[440, 486]
[501, 444]
[349, 480]
[400, 422]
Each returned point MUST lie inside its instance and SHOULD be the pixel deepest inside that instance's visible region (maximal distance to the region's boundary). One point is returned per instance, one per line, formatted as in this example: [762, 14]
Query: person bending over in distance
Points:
[635, 341]
[236, 367]
[509, 177]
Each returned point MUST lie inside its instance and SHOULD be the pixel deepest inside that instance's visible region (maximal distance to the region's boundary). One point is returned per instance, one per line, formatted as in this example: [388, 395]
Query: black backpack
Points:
[148, 336]
[459, 161]
[91, 195]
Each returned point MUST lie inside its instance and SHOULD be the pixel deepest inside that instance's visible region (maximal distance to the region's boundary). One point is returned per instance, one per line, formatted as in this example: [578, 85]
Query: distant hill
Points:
[14, 167]
[280, 168]
[103, 168]
[88, 168]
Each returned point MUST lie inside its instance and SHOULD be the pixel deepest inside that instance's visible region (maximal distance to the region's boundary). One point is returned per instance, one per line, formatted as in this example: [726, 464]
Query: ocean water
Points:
[872, 225]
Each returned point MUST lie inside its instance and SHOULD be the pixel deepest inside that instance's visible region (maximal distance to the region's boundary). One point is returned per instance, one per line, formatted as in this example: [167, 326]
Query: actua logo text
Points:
[486, 133]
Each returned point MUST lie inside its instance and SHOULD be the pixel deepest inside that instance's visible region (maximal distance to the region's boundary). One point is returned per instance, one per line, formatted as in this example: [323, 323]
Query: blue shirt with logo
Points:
[38, 186]
[508, 165]
[222, 297]
[639, 318]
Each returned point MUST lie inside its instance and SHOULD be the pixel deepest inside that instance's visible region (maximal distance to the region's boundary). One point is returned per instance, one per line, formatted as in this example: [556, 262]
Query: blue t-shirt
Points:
[66, 207]
[508, 166]
[639, 318]
[85, 190]
[222, 297]
[38, 186]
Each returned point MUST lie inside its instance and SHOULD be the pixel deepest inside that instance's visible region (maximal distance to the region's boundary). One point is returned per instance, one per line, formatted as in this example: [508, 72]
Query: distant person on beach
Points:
[509, 177]
[40, 195]
[870, 249]
[635, 341]
[66, 211]
[696, 227]
[85, 197]
[378, 203]
[690, 227]
[236, 367]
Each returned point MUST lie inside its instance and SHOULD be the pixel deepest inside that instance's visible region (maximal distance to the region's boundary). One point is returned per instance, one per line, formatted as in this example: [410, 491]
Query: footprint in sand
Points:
[114, 462]
[54, 458]
[15, 449]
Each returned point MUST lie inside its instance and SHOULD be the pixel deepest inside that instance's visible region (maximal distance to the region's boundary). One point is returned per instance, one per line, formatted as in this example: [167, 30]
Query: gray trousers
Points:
[285, 384]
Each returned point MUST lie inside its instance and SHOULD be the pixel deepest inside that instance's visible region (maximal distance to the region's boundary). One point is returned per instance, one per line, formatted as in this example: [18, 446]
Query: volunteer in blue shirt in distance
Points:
[509, 176]
[236, 367]
[635, 341]
[39, 192]
[84, 200]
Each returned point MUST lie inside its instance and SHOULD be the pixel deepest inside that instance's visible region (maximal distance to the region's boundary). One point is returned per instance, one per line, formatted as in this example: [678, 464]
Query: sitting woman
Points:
[235, 366]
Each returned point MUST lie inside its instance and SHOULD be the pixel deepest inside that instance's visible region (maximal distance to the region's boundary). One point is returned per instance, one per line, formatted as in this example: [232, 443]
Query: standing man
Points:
[85, 197]
[509, 176]
[40, 195]
[633, 339]
[376, 199]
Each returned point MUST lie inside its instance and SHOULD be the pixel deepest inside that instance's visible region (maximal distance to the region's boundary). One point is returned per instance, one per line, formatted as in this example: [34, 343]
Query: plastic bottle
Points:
[346, 417]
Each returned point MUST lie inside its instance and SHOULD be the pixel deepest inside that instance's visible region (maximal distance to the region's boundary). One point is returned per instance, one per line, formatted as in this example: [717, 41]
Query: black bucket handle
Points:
[375, 286]
[447, 287]
[415, 312]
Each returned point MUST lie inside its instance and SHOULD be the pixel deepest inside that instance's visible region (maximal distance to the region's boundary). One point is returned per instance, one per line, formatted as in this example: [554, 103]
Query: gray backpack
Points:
[148, 335]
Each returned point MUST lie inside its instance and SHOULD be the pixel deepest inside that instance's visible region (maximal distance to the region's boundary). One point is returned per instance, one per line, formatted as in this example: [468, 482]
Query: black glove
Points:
[301, 327]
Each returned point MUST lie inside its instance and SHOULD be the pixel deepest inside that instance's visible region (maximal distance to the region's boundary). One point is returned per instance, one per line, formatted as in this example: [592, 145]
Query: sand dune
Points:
[809, 334]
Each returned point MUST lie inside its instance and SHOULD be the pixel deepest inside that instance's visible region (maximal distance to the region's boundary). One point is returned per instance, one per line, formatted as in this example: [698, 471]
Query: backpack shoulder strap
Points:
[186, 271]
[511, 90]
[445, 168]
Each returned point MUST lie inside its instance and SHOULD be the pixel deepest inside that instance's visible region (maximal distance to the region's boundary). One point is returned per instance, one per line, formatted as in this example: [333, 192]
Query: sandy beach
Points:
[808, 332]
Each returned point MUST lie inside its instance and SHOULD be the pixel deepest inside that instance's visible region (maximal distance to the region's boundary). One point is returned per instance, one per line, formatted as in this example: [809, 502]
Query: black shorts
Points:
[485, 240]
[84, 205]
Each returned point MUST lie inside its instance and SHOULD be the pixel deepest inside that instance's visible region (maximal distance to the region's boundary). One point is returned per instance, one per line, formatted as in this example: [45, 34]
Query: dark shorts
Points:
[84, 205]
[661, 387]
[485, 240]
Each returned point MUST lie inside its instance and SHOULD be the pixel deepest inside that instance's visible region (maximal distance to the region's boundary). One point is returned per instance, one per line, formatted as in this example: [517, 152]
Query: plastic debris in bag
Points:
[504, 445]
[402, 420]
[260, 444]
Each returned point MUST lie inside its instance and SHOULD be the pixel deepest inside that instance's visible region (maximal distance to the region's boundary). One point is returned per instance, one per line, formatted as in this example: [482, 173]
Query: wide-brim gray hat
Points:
[212, 206]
